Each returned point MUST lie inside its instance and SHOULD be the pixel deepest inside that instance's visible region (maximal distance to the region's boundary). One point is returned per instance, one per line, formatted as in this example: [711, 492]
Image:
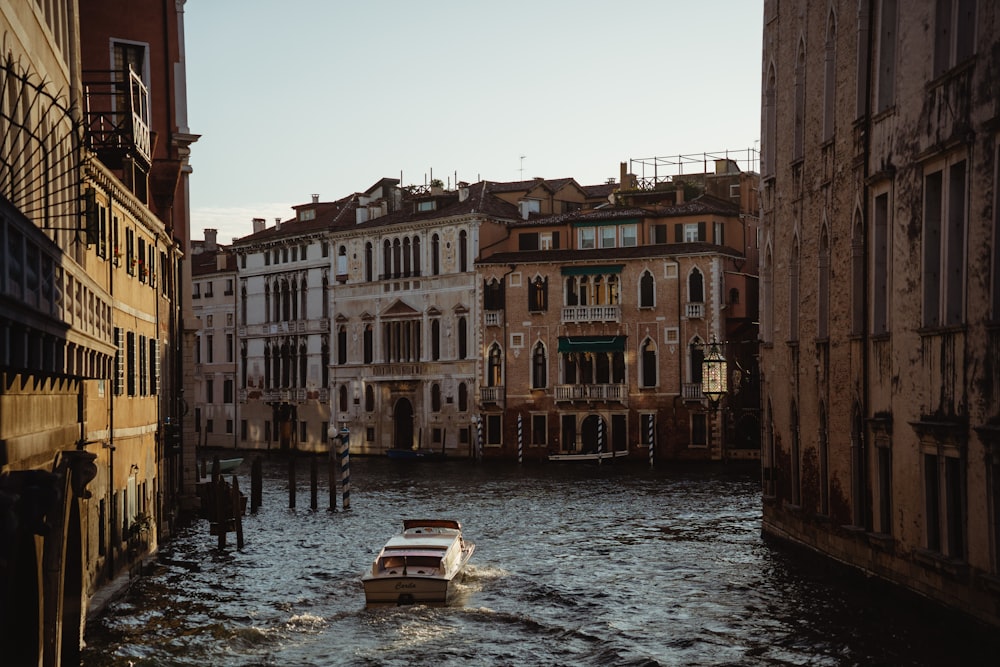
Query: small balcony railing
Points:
[491, 394]
[591, 392]
[692, 391]
[695, 311]
[492, 318]
[396, 369]
[606, 313]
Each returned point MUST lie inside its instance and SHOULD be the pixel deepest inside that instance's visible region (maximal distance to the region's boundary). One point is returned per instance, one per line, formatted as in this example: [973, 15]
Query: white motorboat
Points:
[420, 565]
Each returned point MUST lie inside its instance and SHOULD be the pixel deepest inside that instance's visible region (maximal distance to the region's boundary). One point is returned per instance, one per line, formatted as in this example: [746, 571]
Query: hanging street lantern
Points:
[714, 375]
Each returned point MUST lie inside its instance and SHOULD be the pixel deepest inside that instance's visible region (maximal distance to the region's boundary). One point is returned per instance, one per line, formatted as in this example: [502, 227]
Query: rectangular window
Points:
[154, 366]
[545, 241]
[143, 373]
[885, 489]
[931, 502]
[719, 233]
[539, 430]
[954, 33]
[658, 234]
[609, 237]
[229, 348]
[630, 236]
[587, 238]
[229, 426]
[699, 429]
[527, 241]
[227, 391]
[493, 430]
[209, 425]
[130, 373]
[210, 348]
[243, 430]
[209, 391]
[886, 86]
[119, 361]
[208, 289]
[689, 232]
[944, 259]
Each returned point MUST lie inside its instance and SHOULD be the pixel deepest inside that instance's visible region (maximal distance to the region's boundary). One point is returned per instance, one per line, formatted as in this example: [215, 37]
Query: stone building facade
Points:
[880, 290]
[595, 322]
[93, 222]
[214, 298]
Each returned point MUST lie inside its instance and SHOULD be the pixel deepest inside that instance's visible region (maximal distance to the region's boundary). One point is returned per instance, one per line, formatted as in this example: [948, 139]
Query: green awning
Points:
[592, 270]
[591, 344]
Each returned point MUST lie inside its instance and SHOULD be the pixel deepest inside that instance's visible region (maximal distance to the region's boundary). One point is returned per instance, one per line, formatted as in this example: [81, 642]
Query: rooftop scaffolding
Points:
[665, 169]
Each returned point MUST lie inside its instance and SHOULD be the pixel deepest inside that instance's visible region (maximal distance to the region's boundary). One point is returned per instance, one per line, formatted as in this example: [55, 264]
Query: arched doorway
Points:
[402, 430]
[592, 429]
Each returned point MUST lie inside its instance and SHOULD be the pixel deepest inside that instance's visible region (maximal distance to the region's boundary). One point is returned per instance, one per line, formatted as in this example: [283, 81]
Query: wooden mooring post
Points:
[291, 480]
[331, 463]
[237, 509]
[256, 484]
[313, 482]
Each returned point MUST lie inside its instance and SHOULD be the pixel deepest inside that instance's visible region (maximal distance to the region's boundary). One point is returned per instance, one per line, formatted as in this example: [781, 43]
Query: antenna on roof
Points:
[522, 167]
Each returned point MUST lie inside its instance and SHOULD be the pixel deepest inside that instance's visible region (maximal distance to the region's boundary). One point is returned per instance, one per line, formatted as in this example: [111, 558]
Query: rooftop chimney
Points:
[258, 225]
[316, 199]
[210, 236]
[277, 222]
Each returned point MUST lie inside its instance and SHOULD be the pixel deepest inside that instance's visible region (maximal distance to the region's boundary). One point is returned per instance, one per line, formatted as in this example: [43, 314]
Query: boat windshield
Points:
[411, 561]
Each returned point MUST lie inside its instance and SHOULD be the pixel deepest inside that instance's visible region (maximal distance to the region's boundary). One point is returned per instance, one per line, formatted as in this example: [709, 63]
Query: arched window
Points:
[267, 302]
[325, 362]
[435, 255]
[696, 287]
[463, 339]
[303, 294]
[539, 374]
[435, 339]
[463, 397]
[243, 304]
[342, 398]
[493, 296]
[407, 256]
[342, 263]
[286, 302]
[369, 344]
[830, 77]
[572, 293]
[369, 259]
[369, 398]
[770, 123]
[416, 256]
[435, 397]
[648, 360]
[823, 289]
[326, 295]
[793, 291]
[267, 366]
[494, 373]
[799, 131]
[286, 364]
[463, 251]
[646, 290]
[397, 260]
[342, 344]
[857, 275]
[303, 359]
[613, 291]
[538, 295]
[387, 259]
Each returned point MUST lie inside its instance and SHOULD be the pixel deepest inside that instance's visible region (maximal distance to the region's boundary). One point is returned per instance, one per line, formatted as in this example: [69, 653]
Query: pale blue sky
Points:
[295, 97]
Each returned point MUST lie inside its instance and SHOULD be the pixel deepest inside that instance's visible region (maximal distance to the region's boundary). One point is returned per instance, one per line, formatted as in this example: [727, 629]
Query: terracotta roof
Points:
[329, 215]
[479, 201]
[205, 263]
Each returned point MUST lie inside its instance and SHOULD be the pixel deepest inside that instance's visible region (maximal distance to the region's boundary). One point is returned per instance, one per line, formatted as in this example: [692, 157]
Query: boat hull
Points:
[408, 590]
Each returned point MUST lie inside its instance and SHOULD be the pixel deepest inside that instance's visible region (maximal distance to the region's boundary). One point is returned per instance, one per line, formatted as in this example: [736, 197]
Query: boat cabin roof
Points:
[421, 541]
[431, 523]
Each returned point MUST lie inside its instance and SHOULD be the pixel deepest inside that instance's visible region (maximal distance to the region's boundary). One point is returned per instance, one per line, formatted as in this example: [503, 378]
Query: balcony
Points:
[492, 318]
[585, 314]
[691, 391]
[694, 311]
[491, 394]
[592, 392]
[116, 117]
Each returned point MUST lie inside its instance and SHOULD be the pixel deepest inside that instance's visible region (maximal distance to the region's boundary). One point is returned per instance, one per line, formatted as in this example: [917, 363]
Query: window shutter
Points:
[678, 233]
[701, 231]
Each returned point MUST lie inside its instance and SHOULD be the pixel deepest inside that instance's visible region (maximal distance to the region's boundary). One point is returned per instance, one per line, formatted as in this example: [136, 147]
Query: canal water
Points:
[574, 565]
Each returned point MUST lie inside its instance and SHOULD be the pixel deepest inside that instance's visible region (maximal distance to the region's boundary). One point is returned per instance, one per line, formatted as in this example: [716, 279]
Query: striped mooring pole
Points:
[520, 440]
[345, 467]
[652, 438]
[479, 435]
[600, 439]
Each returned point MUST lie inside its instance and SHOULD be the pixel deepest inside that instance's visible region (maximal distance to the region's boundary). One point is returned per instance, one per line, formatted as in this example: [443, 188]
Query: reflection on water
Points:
[582, 565]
